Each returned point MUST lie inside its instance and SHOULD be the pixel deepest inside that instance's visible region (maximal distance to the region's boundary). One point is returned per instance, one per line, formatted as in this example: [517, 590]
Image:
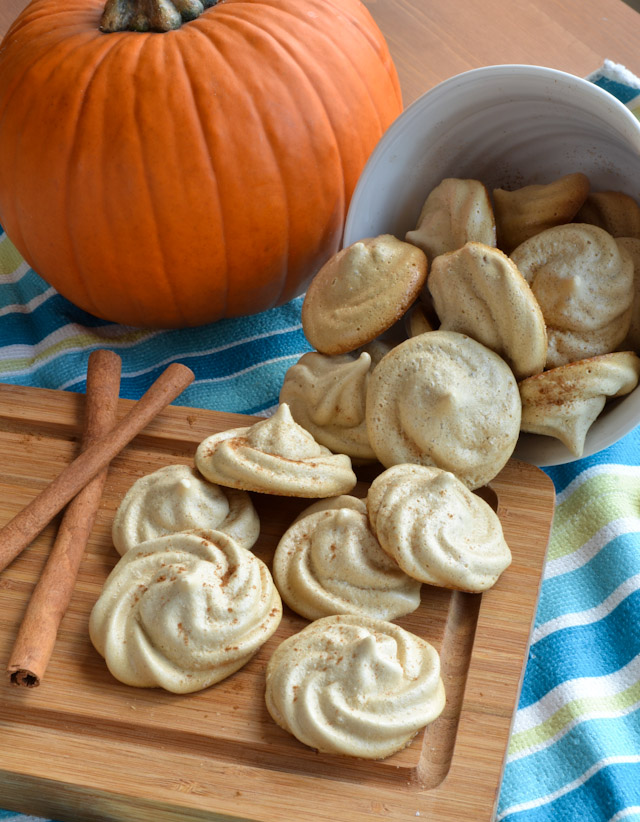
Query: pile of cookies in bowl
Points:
[542, 276]
[497, 314]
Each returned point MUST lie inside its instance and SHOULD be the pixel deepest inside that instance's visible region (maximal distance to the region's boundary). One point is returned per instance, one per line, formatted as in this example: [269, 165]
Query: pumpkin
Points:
[171, 178]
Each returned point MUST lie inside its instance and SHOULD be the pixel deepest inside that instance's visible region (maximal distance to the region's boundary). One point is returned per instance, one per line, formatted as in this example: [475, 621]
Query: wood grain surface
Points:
[431, 40]
[84, 746]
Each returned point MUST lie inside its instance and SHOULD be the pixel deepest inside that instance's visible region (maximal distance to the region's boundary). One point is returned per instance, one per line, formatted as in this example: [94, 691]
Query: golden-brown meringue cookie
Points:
[182, 612]
[354, 685]
[617, 213]
[632, 341]
[527, 211]
[478, 291]
[455, 212]
[583, 282]
[564, 402]
[274, 456]
[177, 498]
[326, 396]
[437, 530]
[330, 562]
[444, 399]
[361, 292]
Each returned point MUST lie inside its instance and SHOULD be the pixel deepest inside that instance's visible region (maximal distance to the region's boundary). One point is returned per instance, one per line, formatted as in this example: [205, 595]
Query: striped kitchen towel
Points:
[45, 341]
[574, 753]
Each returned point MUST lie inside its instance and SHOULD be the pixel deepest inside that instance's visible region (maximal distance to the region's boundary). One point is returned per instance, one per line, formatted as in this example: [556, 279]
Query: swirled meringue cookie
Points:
[274, 456]
[564, 402]
[354, 685]
[330, 562]
[182, 612]
[326, 396]
[444, 399]
[177, 498]
[437, 530]
[617, 213]
[478, 290]
[361, 292]
[455, 212]
[583, 281]
[527, 211]
[632, 341]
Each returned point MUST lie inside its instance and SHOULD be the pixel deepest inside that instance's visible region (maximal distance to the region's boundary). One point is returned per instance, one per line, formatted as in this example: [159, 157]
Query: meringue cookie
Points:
[437, 530]
[361, 292]
[444, 399]
[274, 456]
[454, 213]
[478, 291]
[326, 396]
[564, 401]
[182, 612]
[617, 213]
[177, 498]
[354, 685]
[329, 562]
[334, 503]
[583, 281]
[632, 341]
[527, 211]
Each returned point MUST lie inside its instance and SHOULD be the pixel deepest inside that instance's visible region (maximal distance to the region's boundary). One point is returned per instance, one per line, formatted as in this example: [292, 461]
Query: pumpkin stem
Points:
[150, 15]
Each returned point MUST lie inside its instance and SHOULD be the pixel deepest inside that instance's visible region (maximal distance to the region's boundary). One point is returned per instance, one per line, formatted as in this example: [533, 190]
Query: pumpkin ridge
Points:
[207, 152]
[199, 28]
[235, 25]
[284, 46]
[268, 35]
[343, 12]
[366, 33]
[32, 14]
[44, 57]
[121, 50]
[277, 35]
[277, 165]
[84, 283]
[18, 239]
[365, 150]
[358, 72]
[343, 204]
[369, 34]
[160, 237]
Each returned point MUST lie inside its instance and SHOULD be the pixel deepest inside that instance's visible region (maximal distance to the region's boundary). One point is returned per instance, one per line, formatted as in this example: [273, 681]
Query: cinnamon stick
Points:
[51, 596]
[26, 525]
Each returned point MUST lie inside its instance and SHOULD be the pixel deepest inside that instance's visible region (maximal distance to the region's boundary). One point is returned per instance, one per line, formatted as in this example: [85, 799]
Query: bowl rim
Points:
[505, 69]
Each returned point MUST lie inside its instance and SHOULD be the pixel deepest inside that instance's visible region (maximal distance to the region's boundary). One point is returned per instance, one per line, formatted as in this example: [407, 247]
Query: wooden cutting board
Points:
[84, 746]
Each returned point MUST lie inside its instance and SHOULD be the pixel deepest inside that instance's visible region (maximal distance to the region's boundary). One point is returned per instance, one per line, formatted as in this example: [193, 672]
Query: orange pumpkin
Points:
[171, 178]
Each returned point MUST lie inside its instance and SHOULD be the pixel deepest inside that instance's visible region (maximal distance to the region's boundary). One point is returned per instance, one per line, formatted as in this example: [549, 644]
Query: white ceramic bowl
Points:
[507, 126]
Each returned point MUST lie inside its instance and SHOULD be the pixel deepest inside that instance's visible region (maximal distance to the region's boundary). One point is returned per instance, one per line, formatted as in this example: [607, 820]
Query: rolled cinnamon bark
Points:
[52, 594]
[26, 525]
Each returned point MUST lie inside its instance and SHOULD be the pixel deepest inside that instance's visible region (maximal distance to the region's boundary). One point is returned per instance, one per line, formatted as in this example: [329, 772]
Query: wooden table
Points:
[431, 40]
